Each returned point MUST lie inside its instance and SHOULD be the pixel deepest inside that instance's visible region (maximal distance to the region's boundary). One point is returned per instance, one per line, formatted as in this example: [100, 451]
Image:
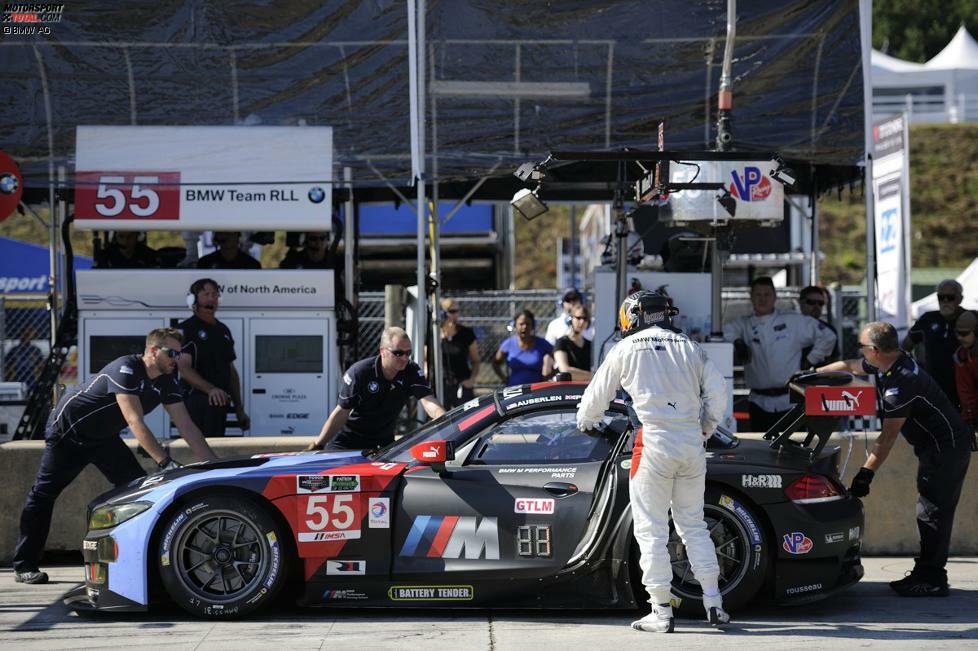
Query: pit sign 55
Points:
[328, 517]
[127, 195]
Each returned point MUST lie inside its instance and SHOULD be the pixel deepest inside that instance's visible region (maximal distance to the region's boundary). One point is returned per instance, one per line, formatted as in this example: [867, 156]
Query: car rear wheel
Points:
[221, 557]
[742, 552]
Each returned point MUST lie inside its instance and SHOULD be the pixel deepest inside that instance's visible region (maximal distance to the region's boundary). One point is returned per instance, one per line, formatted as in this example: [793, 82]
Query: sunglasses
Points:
[452, 310]
[947, 298]
[169, 352]
[809, 301]
[964, 333]
[867, 346]
[399, 353]
[581, 317]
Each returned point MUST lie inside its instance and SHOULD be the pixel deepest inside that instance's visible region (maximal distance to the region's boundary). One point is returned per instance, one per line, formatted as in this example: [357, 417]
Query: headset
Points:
[196, 288]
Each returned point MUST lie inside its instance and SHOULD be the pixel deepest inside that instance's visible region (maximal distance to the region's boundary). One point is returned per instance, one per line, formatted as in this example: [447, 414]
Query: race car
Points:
[502, 502]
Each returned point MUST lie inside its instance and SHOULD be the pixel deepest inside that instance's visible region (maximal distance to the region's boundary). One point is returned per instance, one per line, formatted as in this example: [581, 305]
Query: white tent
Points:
[969, 282]
[941, 89]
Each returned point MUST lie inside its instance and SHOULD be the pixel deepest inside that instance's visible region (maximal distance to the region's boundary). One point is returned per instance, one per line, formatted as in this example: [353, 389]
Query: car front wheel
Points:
[221, 557]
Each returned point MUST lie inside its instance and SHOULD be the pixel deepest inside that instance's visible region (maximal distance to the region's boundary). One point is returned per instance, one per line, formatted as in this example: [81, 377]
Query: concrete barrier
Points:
[891, 527]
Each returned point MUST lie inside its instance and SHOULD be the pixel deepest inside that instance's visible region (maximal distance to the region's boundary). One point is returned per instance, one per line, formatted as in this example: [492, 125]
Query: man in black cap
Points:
[559, 327]
[373, 392]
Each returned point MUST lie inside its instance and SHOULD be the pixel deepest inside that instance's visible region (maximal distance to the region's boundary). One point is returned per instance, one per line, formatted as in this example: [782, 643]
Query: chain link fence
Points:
[25, 334]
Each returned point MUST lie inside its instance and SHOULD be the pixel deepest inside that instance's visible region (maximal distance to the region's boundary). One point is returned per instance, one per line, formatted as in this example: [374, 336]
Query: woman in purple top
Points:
[528, 357]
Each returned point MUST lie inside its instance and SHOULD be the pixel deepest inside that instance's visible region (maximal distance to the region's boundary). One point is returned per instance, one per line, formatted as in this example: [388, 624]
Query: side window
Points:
[541, 437]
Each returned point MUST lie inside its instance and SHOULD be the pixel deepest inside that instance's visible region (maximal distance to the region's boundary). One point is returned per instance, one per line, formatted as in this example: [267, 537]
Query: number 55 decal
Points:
[330, 517]
[127, 195]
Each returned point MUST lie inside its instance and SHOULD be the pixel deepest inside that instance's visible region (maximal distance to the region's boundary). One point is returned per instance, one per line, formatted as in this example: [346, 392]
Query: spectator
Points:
[229, 254]
[207, 365]
[460, 356]
[528, 358]
[772, 342]
[84, 429]
[811, 301]
[559, 327]
[314, 253]
[966, 365]
[127, 251]
[373, 393]
[934, 330]
[25, 360]
[572, 352]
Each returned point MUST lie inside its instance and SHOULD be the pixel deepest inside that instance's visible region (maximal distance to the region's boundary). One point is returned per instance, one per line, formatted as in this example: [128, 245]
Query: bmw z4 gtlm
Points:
[502, 502]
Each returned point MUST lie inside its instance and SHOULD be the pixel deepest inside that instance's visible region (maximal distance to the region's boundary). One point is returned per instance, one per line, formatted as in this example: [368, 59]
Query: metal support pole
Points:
[718, 253]
[815, 263]
[573, 246]
[348, 236]
[870, 241]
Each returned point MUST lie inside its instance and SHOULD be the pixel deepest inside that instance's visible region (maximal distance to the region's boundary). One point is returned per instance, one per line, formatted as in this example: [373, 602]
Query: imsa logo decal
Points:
[451, 536]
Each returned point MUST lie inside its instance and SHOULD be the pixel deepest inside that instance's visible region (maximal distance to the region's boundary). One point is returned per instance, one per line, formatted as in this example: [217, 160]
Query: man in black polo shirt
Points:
[914, 405]
[935, 330]
[207, 365]
[84, 428]
[373, 392]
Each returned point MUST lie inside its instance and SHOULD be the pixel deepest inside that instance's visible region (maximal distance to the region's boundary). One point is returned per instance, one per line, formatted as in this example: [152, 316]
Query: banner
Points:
[204, 178]
[891, 191]
[749, 191]
[155, 289]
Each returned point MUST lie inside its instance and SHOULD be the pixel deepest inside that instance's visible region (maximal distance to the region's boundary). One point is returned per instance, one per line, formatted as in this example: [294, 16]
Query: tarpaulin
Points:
[504, 81]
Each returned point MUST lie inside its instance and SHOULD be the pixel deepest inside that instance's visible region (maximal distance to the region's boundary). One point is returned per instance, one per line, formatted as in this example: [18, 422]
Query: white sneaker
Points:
[658, 621]
[715, 614]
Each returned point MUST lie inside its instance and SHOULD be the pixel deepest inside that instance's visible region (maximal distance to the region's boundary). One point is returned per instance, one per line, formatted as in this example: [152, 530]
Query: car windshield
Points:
[444, 428]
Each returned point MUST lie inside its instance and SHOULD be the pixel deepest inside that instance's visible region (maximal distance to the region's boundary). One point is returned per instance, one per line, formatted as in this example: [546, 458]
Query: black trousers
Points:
[761, 420]
[211, 420]
[940, 476]
[61, 462]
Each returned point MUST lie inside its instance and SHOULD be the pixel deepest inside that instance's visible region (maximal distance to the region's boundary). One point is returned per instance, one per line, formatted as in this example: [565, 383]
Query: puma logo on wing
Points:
[671, 404]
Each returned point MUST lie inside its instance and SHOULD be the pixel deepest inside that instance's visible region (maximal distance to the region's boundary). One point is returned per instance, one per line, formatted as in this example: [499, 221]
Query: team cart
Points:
[502, 502]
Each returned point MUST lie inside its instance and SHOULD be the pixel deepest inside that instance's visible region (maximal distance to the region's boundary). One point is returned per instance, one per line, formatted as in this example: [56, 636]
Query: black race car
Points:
[502, 502]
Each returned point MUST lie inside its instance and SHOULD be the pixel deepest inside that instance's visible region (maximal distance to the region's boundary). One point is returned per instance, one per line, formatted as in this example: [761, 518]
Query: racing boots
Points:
[660, 620]
[715, 614]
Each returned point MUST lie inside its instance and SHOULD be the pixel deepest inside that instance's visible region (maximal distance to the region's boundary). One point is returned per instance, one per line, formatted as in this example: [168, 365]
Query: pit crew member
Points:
[773, 341]
[373, 392]
[84, 428]
[914, 405]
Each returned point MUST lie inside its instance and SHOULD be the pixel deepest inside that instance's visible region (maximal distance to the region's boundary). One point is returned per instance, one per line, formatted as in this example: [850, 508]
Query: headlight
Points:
[111, 515]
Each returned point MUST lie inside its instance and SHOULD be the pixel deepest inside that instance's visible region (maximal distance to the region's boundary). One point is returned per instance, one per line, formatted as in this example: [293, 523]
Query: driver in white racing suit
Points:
[679, 396]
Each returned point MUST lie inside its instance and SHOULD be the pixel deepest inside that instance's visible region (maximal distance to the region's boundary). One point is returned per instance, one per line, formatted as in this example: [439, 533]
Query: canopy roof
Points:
[504, 81]
[960, 54]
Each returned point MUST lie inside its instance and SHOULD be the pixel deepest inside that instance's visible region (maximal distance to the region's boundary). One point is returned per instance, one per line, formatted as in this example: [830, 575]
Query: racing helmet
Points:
[643, 309]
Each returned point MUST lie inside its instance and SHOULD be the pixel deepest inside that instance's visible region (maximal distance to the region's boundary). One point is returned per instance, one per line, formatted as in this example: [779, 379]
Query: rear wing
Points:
[820, 402]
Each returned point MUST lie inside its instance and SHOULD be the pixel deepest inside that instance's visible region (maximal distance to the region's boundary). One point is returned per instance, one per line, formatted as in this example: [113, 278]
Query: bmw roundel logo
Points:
[373, 387]
[9, 184]
[202, 335]
[316, 194]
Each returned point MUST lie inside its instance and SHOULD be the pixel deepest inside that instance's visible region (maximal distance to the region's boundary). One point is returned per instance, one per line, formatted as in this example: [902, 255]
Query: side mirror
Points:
[434, 454]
